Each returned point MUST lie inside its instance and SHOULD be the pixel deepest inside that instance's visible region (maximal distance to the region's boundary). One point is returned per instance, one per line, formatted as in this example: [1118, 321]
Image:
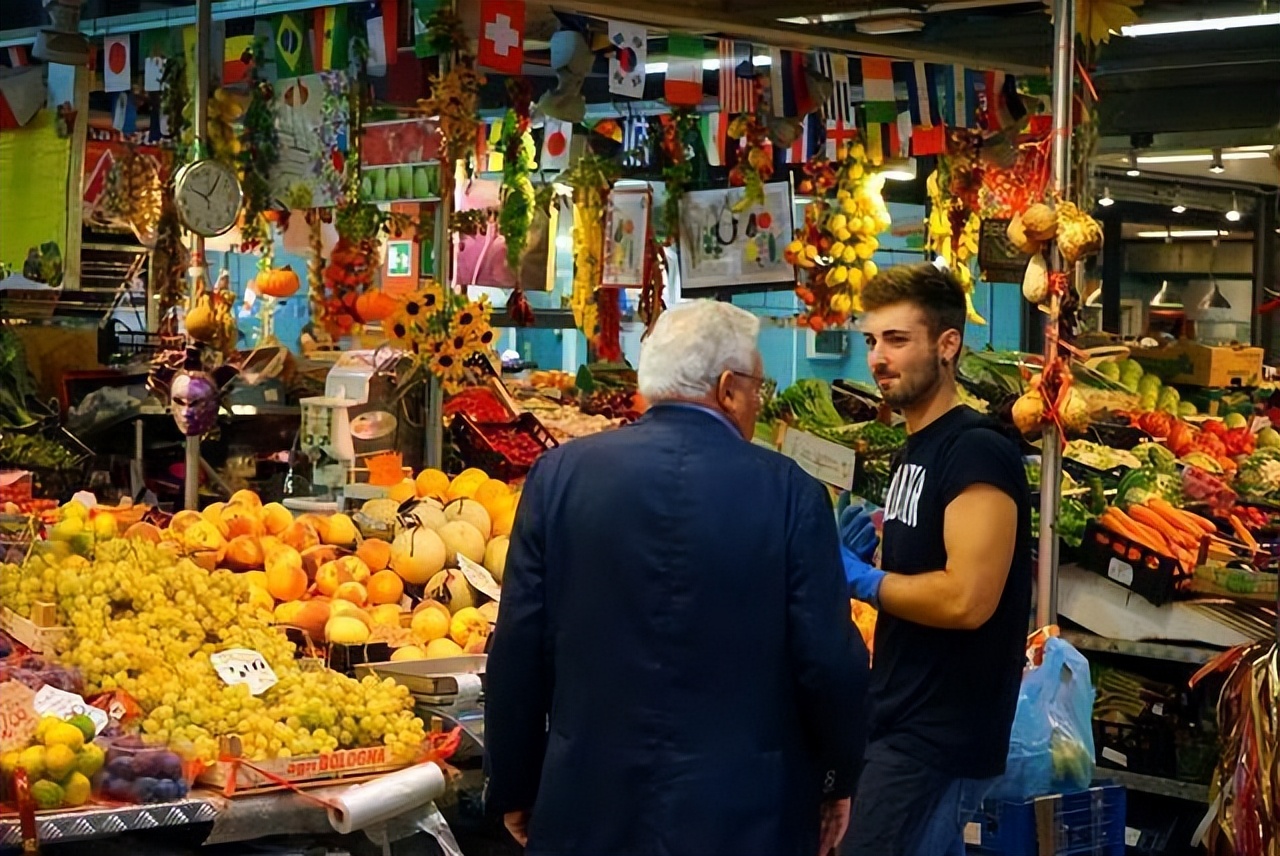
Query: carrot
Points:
[1245, 535]
[1194, 519]
[1133, 530]
[1176, 535]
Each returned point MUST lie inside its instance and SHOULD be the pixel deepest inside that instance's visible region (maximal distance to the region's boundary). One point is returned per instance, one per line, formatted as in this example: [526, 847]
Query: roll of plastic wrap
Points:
[382, 799]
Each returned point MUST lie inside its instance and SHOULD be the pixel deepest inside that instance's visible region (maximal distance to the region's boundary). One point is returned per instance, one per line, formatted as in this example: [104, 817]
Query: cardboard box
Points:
[1202, 365]
[233, 776]
[40, 638]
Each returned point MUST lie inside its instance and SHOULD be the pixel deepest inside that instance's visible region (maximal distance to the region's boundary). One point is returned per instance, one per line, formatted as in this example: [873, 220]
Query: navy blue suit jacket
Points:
[674, 669]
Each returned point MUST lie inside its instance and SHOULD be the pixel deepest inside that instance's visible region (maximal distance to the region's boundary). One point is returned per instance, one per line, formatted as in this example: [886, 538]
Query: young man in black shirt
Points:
[955, 590]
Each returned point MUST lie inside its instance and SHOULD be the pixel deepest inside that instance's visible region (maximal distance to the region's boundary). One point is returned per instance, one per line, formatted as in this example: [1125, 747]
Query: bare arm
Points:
[980, 529]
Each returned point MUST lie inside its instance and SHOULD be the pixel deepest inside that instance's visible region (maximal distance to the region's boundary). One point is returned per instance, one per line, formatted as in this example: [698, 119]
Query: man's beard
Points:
[908, 392]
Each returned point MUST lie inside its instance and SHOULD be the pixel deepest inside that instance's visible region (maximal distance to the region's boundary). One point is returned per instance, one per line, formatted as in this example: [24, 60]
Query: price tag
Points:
[1157, 709]
[824, 460]
[1115, 757]
[1132, 837]
[243, 666]
[51, 701]
[480, 578]
[17, 715]
[973, 834]
[1121, 572]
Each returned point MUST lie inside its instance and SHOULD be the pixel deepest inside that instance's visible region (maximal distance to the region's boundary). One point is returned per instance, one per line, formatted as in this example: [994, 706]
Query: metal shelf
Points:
[1191, 654]
[1153, 785]
[103, 822]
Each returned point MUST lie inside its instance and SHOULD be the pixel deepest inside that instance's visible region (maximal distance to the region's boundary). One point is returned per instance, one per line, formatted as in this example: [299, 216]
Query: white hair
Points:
[692, 345]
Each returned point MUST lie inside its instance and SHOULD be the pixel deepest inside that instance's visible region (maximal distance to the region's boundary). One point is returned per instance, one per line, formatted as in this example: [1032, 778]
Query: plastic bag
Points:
[1051, 747]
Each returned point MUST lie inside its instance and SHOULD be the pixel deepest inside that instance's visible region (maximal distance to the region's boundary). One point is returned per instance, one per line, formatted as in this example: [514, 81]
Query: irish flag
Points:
[683, 86]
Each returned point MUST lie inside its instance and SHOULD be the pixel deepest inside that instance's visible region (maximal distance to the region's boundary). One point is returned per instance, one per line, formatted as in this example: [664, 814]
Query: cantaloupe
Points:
[428, 513]
[472, 512]
[460, 537]
[417, 554]
[495, 556]
[452, 589]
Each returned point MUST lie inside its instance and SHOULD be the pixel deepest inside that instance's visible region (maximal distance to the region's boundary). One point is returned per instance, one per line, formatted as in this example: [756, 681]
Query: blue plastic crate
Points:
[1087, 823]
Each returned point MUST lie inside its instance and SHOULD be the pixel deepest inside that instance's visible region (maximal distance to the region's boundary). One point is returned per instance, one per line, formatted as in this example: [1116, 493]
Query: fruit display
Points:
[60, 762]
[403, 182]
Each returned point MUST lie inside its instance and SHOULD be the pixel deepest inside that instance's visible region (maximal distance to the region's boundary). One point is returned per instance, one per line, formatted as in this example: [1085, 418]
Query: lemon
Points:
[85, 723]
[76, 791]
[8, 763]
[47, 794]
[58, 762]
[64, 734]
[46, 722]
[105, 527]
[32, 760]
[90, 759]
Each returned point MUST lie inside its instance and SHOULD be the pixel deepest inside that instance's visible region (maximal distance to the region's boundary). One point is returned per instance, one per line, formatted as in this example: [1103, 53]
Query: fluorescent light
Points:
[1234, 214]
[1204, 158]
[889, 26]
[660, 67]
[1185, 233]
[1106, 200]
[1203, 25]
[899, 170]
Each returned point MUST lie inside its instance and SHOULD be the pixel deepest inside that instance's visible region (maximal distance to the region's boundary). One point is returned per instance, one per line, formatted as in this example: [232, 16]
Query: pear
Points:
[393, 183]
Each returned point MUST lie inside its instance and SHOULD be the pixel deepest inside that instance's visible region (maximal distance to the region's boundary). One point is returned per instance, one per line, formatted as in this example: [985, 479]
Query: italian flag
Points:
[683, 85]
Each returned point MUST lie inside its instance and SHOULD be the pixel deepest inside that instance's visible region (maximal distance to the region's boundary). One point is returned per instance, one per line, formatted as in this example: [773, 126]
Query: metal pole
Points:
[204, 47]
[1064, 15]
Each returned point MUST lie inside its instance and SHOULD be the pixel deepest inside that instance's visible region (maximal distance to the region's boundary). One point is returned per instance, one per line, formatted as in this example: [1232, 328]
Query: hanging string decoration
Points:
[258, 156]
[442, 330]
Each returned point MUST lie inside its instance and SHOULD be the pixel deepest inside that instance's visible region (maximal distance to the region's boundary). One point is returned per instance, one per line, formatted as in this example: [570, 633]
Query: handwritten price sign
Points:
[52, 701]
[243, 666]
[17, 715]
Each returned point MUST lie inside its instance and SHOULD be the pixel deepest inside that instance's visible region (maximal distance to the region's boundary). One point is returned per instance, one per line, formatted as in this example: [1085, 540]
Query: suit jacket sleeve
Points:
[829, 660]
[518, 679]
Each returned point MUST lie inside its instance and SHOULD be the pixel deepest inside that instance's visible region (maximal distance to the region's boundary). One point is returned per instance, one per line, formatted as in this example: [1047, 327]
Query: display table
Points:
[94, 822]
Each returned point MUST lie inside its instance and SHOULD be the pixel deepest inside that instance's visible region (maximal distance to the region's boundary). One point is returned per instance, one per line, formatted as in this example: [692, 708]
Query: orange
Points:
[376, 554]
[432, 483]
[286, 581]
[385, 587]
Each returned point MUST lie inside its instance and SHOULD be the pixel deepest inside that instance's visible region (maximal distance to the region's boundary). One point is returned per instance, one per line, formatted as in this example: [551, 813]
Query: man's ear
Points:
[949, 346]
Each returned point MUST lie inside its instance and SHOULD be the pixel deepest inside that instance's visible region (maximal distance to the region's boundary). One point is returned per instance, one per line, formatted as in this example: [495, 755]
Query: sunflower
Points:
[447, 365]
[472, 319]
[431, 295]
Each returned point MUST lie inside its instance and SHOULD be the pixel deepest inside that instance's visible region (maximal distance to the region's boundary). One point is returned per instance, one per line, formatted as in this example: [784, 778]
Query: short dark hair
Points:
[936, 291]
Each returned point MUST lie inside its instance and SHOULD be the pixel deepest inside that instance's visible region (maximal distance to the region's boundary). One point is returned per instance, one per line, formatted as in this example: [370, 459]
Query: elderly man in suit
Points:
[674, 669]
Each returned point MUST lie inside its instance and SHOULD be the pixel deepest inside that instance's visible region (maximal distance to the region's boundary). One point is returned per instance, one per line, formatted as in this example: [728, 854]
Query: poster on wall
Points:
[626, 235]
[312, 114]
[720, 248]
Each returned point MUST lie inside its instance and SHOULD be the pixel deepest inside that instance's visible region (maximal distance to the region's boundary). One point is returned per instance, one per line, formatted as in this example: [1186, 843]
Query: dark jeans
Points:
[905, 808]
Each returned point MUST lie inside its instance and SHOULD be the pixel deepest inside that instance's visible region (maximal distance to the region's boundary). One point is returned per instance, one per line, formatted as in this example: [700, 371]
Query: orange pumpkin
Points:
[279, 283]
[374, 305]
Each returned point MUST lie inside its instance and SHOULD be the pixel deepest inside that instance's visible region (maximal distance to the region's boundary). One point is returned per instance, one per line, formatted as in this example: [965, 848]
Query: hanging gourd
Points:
[277, 282]
[374, 305]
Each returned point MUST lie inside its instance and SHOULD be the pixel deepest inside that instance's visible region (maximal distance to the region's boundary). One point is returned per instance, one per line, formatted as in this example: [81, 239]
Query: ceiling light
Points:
[900, 170]
[1106, 200]
[1163, 299]
[1217, 168]
[1178, 207]
[1238, 154]
[1133, 171]
[1169, 234]
[1234, 214]
[1202, 25]
[889, 26]
[660, 67]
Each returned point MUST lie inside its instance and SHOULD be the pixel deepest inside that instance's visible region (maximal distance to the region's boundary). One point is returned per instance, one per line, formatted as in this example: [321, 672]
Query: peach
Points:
[346, 607]
[300, 535]
[213, 513]
[276, 518]
[374, 553]
[385, 587]
[354, 592]
[320, 523]
[242, 520]
[184, 520]
[244, 553]
[285, 580]
[245, 497]
[356, 567]
[144, 532]
[341, 530]
[329, 576]
[385, 615]
[313, 558]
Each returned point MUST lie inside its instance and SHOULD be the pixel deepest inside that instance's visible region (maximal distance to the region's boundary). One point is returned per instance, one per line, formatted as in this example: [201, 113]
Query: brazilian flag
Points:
[292, 45]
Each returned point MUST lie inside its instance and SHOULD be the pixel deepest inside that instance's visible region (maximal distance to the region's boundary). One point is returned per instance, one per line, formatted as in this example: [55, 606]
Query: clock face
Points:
[208, 198]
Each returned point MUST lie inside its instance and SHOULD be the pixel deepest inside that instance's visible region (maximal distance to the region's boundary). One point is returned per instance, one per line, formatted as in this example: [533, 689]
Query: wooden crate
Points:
[233, 776]
[40, 635]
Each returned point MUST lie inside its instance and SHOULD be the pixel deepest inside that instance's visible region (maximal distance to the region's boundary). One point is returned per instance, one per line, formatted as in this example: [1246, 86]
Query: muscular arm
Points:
[980, 529]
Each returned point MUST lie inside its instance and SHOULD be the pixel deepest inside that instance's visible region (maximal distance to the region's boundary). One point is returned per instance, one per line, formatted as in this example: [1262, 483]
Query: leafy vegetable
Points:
[1259, 475]
[33, 450]
[1073, 517]
[809, 401]
[1098, 456]
[1144, 483]
[1156, 457]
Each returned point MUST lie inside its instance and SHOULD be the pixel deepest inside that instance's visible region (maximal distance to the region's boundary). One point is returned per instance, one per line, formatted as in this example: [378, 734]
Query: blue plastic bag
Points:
[1051, 747]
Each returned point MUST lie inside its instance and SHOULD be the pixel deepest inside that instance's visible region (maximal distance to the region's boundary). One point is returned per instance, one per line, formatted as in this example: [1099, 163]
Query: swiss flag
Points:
[502, 36]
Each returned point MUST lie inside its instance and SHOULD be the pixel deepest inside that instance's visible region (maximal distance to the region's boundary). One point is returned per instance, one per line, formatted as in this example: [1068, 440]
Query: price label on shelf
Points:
[51, 701]
[243, 666]
[17, 715]
[480, 578]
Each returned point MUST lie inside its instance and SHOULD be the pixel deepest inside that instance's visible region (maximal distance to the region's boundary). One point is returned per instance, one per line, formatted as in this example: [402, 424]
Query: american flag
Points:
[635, 141]
[835, 67]
[737, 94]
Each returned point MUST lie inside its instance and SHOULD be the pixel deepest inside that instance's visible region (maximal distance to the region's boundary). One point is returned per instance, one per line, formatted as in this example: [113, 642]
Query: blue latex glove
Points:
[858, 532]
[864, 579]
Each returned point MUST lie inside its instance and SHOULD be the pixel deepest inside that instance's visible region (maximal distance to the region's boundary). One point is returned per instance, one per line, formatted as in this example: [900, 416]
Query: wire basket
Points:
[118, 344]
[477, 442]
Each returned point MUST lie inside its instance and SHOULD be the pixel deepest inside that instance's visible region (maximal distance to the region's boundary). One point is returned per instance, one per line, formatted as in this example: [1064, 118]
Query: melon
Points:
[417, 554]
[472, 512]
[452, 589]
[495, 557]
[439, 648]
[461, 538]
[427, 513]
[489, 611]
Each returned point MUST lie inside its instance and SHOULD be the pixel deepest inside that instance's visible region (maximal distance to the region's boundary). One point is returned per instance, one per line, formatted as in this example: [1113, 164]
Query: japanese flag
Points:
[117, 64]
[557, 137]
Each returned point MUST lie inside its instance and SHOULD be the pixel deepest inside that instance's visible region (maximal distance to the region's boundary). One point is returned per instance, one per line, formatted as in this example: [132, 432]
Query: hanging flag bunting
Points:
[626, 62]
[839, 134]
[737, 89]
[116, 64]
[494, 148]
[18, 56]
[557, 137]
[154, 46]
[610, 129]
[788, 85]
[902, 144]
[153, 73]
[293, 49]
[502, 36]
[635, 142]
[125, 116]
[391, 29]
[683, 84]
[422, 12]
[933, 75]
[333, 38]
[714, 127]
[375, 31]
[877, 85]
[835, 67]
[237, 50]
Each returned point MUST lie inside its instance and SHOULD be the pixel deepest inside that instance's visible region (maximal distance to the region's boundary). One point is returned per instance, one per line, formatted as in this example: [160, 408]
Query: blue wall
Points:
[291, 315]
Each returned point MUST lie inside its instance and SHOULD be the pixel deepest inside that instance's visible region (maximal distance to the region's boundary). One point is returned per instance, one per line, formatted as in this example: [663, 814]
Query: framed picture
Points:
[626, 234]
[721, 248]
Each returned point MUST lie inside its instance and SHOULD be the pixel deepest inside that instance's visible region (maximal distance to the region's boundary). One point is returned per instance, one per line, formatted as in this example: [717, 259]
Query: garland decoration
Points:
[516, 215]
[455, 95]
[677, 168]
[591, 179]
[258, 157]
[755, 159]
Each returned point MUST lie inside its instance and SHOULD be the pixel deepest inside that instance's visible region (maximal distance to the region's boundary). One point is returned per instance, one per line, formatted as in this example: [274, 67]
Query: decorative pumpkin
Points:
[279, 283]
[374, 305]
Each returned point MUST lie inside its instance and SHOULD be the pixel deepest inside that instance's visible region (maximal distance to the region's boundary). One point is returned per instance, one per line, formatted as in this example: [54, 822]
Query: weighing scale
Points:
[451, 688]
